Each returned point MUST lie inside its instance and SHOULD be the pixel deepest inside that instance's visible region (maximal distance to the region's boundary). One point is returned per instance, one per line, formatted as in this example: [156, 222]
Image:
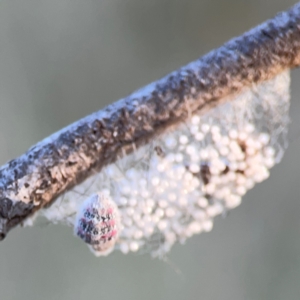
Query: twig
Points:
[71, 155]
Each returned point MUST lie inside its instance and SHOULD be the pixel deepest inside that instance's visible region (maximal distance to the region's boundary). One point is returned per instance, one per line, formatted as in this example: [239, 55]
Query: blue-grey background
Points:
[61, 60]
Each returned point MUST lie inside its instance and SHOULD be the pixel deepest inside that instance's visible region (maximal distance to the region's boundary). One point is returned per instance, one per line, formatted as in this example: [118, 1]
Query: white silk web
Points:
[175, 186]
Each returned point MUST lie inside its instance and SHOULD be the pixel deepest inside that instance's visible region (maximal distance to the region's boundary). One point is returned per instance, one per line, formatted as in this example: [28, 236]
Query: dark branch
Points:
[68, 157]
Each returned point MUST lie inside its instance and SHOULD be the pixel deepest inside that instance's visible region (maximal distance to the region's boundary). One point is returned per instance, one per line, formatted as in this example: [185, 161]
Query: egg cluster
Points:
[187, 185]
[98, 223]
[174, 187]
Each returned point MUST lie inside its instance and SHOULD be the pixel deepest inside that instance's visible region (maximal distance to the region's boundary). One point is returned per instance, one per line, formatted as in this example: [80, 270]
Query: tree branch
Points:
[71, 155]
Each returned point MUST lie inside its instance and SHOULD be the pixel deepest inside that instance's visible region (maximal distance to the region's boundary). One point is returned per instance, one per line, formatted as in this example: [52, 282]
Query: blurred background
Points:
[61, 60]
